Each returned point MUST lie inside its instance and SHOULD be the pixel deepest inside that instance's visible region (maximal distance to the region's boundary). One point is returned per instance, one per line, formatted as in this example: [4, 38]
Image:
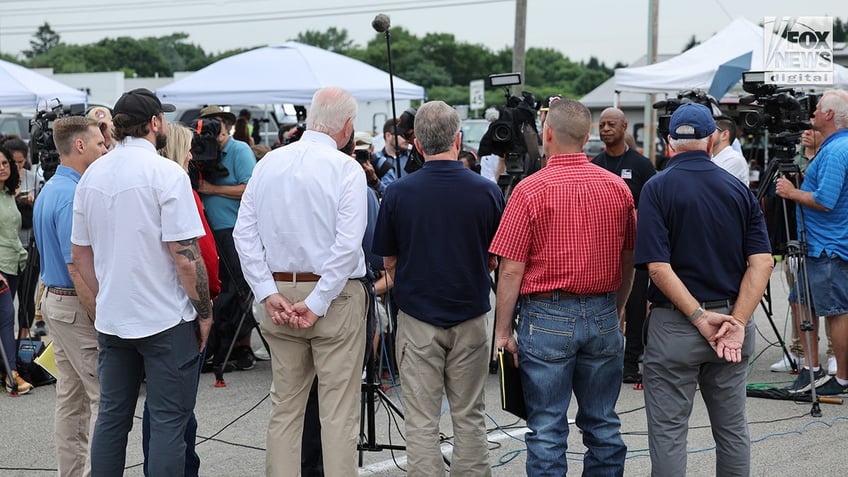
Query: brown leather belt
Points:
[550, 294]
[296, 277]
[62, 291]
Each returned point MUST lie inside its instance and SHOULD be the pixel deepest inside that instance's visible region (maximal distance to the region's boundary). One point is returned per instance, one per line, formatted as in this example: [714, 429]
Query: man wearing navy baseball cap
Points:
[702, 238]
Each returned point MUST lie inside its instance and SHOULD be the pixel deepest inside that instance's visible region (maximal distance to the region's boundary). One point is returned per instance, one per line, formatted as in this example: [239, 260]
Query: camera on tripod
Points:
[506, 136]
[785, 113]
[41, 145]
[205, 162]
[668, 106]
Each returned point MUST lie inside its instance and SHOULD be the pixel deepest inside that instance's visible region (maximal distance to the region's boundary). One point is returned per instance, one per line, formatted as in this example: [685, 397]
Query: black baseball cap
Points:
[138, 106]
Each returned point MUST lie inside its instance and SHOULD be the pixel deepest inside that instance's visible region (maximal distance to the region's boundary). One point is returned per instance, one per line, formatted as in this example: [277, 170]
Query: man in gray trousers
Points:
[702, 238]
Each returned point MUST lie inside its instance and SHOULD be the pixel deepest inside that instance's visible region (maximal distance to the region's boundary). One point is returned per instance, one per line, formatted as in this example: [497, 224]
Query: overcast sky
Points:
[611, 30]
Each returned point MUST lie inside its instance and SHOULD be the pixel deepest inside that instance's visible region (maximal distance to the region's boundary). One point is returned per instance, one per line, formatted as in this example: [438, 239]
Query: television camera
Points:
[42, 147]
[205, 162]
[784, 116]
[669, 105]
[513, 135]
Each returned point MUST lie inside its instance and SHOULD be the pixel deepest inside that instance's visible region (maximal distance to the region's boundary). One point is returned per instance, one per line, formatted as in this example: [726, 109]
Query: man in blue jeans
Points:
[566, 242]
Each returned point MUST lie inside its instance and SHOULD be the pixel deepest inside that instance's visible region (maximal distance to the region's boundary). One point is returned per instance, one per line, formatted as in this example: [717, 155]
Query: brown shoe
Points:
[23, 386]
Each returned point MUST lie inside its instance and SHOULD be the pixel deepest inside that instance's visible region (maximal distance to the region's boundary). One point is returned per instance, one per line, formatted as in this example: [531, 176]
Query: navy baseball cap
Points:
[691, 121]
[139, 105]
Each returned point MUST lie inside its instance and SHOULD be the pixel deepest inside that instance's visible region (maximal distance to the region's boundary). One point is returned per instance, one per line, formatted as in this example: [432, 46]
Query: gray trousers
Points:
[677, 360]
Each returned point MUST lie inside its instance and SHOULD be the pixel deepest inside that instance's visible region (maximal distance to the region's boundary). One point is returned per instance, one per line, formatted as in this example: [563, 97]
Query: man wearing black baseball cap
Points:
[134, 236]
[702, 238]
[134, 111]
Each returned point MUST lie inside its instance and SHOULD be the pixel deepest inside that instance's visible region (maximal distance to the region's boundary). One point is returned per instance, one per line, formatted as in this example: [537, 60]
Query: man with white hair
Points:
[823, 200]
[703, 240]
[299, 237]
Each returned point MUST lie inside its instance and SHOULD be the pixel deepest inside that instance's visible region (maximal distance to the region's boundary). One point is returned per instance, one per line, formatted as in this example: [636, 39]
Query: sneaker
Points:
[783, 365]
[831, 388]
[244, 358]
[831, 365]
[23, 386]
[802, 382]
[261, 354]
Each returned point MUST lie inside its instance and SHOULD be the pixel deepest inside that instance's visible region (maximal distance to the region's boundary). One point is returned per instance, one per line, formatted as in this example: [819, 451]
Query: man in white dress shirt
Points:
[299, 237]
[724, 155]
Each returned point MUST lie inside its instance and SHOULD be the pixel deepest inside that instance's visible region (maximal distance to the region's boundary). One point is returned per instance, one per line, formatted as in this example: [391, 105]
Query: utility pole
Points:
[649, 129]
[519, 49]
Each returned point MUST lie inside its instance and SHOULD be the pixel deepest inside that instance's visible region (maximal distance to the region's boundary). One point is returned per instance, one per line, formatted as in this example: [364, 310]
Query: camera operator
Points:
[385, 159]
[221, 198]
[724, 155]
[811, 141]
[823, 200]
[364, 155]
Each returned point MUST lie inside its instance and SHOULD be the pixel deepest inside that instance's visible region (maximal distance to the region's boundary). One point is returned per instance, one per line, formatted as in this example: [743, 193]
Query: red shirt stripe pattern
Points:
[568, 223]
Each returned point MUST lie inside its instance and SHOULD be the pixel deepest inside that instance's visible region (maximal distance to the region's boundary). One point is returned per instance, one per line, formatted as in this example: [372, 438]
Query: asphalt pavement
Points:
[787, 441]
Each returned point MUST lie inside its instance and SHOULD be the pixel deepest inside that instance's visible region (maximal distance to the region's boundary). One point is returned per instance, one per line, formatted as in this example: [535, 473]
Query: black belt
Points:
[707, 305]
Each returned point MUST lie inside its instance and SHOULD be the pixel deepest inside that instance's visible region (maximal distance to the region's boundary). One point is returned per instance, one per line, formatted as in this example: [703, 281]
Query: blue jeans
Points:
[565, 345]
[7, 322]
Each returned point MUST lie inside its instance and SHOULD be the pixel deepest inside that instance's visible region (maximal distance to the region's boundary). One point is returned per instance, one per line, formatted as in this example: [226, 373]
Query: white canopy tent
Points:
[287, 73]
[698, 66]
[23, 88]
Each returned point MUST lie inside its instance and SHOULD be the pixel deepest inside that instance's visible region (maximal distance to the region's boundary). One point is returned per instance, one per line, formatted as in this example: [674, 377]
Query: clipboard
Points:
[512, 394]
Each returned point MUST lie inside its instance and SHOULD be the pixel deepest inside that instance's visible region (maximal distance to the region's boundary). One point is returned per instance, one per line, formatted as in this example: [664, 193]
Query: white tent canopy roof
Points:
[696, 67]
[287, 73]
[23, 88]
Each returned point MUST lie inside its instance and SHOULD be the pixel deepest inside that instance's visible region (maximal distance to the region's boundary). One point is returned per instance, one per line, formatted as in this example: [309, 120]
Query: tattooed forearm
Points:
[204, 304]
[192, 272]
[188, 249]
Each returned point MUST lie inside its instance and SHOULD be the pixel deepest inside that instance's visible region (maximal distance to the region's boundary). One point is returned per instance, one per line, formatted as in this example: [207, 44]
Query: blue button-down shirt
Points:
[52, 219]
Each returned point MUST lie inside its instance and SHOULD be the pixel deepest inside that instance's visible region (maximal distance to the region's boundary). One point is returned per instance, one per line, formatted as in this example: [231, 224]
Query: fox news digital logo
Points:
[798, 50]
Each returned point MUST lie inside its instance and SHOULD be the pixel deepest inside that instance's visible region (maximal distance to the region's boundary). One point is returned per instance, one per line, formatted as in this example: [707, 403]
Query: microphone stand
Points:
[394, 109]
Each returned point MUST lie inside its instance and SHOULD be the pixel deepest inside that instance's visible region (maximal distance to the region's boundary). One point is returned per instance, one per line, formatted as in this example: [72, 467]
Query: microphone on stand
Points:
[381, 24]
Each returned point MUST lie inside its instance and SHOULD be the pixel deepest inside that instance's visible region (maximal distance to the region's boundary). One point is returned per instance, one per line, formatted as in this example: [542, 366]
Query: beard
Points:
[161, 141]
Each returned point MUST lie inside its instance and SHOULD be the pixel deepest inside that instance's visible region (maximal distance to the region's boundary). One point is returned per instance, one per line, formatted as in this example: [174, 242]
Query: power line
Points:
[227, 18]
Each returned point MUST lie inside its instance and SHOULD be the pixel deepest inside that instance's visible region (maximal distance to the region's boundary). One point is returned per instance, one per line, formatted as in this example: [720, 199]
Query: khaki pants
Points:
[433, 362]
[333, 349]
[77, 386]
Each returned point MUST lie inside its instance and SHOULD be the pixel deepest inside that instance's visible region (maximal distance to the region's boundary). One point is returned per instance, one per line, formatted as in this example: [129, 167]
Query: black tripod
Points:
[371, 391]
[796, 252]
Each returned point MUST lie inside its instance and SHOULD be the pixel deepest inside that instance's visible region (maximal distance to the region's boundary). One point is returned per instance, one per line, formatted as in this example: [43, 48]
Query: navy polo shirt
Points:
[439, 223]
[703, 221]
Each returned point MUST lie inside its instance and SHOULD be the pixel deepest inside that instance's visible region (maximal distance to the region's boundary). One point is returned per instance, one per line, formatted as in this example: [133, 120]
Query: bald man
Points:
[635, 169]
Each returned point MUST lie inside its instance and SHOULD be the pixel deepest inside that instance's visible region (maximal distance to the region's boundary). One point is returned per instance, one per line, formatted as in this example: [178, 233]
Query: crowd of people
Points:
[607, 272]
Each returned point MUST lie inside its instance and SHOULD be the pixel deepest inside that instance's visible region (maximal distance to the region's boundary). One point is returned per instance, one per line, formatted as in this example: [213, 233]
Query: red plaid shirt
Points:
[568, 223]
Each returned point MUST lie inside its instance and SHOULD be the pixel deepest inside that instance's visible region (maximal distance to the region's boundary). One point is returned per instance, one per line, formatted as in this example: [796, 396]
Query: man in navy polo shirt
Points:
[703, 240]
[434, 231]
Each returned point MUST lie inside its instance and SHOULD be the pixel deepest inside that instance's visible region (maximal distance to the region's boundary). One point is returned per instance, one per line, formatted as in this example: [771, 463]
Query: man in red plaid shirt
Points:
[566, 241]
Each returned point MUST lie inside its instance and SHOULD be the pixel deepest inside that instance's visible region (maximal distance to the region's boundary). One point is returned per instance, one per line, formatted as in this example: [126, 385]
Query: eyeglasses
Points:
[4, 164]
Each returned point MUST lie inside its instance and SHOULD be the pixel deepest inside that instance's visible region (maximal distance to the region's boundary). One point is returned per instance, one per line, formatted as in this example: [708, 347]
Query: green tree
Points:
[332, 39]
[43, 40]
[691, 43]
